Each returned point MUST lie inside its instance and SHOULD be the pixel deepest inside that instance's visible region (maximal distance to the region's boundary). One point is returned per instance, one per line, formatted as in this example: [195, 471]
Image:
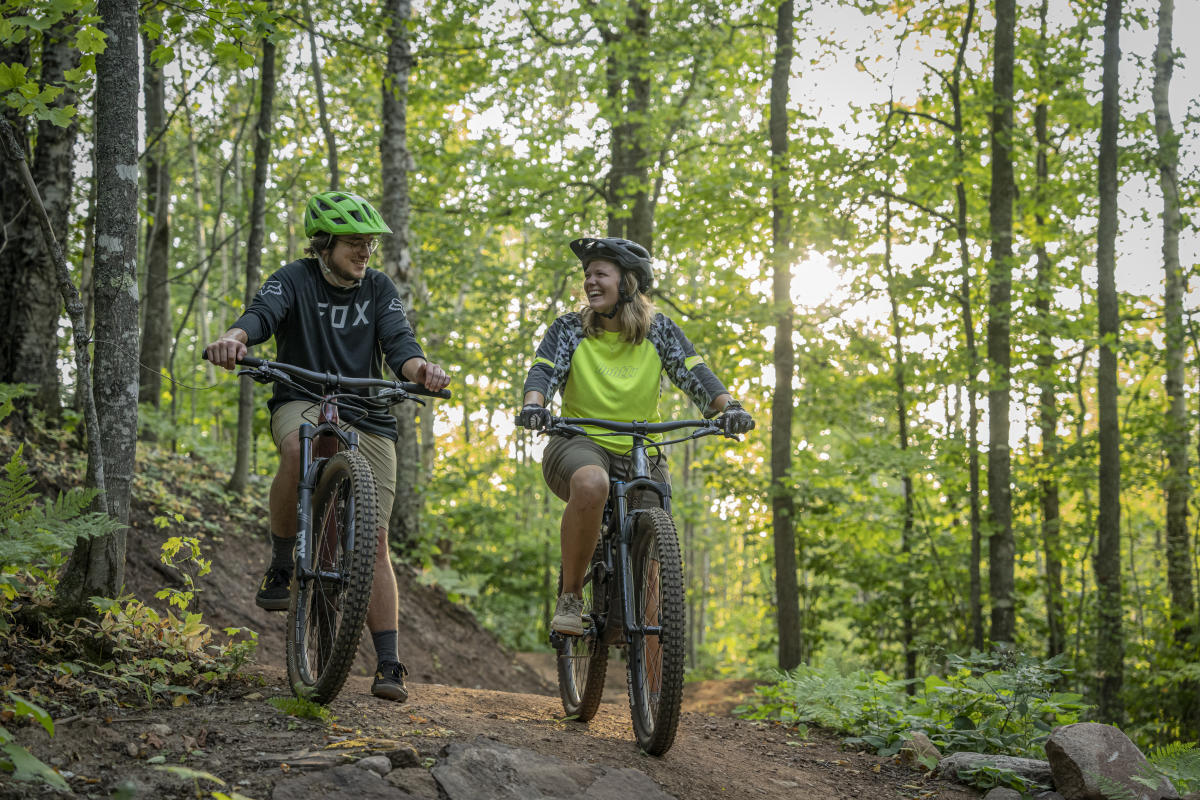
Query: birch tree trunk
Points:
[97, 566]
[1110, 644]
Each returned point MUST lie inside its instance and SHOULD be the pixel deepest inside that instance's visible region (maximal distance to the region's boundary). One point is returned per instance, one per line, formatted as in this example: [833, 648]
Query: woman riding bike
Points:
[330, 313]
[607, 360]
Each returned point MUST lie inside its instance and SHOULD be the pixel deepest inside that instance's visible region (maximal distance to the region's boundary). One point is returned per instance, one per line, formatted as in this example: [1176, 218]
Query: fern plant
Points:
[36, 532]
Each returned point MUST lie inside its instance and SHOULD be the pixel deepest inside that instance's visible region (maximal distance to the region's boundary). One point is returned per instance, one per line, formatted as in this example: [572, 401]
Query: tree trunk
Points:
[97, 566]
[1001, 547]
[319, 84]
[972, 349]
[1179, 556]
[31, 304]
[202, 322]
[627, 189]
[907, 624]
[254, 245]
[782, 505]
[156, 317]
[1110, 644]
[397, 260]
[1047, 385]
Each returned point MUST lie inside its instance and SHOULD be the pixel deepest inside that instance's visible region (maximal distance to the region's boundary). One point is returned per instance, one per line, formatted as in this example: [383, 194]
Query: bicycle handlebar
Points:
[635, 427]
[336, 381]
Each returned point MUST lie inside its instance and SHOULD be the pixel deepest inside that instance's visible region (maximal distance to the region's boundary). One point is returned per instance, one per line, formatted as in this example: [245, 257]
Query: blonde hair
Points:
[633, 317]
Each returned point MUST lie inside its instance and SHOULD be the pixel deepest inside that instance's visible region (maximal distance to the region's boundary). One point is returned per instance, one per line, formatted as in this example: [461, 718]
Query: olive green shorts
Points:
[563, 457]
[380, 451]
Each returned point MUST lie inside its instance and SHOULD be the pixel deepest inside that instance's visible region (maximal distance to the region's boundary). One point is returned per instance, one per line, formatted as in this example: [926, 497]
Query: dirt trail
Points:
[253, 747]
[458, 672]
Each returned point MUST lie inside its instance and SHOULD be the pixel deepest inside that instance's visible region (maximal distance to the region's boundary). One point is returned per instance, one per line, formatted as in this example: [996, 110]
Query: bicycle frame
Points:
[321, 441]
[626, 518]
[317, 444]
[627, 521]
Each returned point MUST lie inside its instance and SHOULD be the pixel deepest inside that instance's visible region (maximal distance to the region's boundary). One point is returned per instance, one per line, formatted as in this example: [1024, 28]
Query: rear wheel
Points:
[329, 606]
[582, 663]
[656, 657]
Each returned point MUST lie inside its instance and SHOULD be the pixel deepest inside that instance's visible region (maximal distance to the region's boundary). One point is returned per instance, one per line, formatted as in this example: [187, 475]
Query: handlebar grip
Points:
[245, 361]
[416, 388]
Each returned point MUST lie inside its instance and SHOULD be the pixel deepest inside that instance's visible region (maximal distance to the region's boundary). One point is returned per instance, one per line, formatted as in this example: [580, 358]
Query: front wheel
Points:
[582, 662]
[656, 654]
[329, 605]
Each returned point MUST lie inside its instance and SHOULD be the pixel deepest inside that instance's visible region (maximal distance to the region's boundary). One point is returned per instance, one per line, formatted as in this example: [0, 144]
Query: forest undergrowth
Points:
[127, 653]
[1003, 703]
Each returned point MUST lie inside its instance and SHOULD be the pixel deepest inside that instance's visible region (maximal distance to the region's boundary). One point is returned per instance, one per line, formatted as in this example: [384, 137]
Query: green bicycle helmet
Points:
[341, 213]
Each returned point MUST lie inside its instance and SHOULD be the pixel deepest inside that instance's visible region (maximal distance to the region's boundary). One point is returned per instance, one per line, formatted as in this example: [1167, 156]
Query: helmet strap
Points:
[622, 299]
[329, 272]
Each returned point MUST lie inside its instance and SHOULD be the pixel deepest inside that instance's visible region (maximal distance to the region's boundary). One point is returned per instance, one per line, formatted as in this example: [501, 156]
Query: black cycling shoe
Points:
[389, 681]
[275, 591]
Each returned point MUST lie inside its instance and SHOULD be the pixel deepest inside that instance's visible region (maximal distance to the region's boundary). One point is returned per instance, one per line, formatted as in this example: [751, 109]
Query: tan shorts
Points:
[380, 451]
[564, 456]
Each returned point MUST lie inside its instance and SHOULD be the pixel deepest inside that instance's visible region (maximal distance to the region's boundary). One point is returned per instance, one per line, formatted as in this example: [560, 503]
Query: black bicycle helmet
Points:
[622, 252]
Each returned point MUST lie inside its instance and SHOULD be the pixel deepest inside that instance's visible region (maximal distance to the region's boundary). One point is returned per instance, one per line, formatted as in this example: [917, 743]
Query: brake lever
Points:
[565, 431]
[260, 374]
[396, 395]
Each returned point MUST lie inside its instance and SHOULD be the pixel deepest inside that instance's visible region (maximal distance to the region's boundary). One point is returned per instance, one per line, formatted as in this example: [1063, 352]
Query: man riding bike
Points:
[331, 313]
[607, 360]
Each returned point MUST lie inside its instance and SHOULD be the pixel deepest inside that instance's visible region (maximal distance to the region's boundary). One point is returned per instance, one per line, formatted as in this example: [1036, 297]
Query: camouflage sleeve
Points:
[684, 367]
[543, 371]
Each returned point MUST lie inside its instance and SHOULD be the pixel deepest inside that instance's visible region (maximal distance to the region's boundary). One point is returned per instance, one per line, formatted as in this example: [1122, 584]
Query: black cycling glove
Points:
[534, 417]
[735, 419]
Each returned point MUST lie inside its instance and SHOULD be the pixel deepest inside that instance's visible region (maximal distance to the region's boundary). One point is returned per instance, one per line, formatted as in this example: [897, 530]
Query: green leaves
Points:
[16, 759]
[232, 54]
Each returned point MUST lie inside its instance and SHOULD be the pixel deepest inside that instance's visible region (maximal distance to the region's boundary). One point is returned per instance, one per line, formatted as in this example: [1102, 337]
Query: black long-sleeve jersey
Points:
[324, 328]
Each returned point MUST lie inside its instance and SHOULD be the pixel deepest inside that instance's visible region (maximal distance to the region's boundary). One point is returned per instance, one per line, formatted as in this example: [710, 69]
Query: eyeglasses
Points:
[370, 245]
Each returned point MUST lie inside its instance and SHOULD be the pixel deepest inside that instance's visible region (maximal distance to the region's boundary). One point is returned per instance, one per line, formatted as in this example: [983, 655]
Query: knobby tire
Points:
[326, 615]
[656, 667]
[582, 664]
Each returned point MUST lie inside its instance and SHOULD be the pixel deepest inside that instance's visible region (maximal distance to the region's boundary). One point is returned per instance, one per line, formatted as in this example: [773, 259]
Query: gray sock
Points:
[386, 648]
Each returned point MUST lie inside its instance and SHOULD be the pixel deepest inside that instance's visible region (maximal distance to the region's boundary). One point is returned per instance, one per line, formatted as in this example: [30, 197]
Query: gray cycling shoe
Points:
[568, 615]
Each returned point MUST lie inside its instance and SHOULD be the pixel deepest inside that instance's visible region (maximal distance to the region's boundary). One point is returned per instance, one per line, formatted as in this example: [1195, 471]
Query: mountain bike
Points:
[337, 518]
[633, 593]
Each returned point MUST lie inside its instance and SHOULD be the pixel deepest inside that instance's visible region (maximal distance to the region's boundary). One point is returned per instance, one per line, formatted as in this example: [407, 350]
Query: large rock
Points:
[1085, 755]
[1002, 793]
[1028, 768]
[919, 750]
[343, 781]
[485, 769]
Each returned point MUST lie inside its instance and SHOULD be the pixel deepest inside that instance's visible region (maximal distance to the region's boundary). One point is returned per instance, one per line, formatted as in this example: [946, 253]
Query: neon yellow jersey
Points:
[613, 379]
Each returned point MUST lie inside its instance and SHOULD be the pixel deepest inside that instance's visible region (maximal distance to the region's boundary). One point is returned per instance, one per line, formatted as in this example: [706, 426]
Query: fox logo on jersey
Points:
[272, 287]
